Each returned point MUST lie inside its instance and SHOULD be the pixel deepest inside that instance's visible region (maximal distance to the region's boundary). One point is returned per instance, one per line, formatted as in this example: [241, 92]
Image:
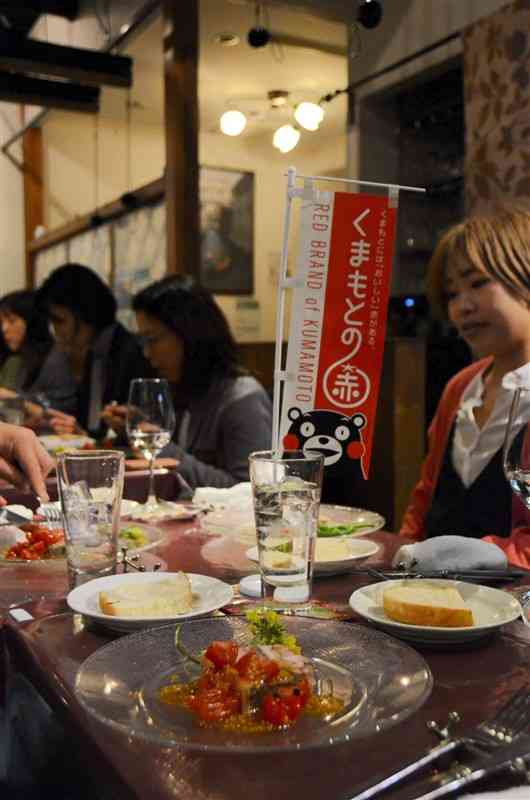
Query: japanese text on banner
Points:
[338, 326]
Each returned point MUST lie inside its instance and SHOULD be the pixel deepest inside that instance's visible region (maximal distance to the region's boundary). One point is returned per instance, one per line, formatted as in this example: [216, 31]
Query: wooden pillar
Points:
[33, 194]
[181, 53]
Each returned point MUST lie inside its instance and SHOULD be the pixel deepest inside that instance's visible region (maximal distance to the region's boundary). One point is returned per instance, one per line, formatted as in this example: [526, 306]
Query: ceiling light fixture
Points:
[232, 123]
[286, 138]
[309, 115]
[370, 13]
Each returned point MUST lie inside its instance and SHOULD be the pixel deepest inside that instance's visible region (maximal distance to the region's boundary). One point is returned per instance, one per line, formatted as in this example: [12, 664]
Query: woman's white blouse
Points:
[474, 447]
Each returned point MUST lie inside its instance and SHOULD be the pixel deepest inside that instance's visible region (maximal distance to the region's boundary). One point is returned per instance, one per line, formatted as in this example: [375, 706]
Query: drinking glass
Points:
[516, 451]
[90, 489]
[286, 490]
[150, 424]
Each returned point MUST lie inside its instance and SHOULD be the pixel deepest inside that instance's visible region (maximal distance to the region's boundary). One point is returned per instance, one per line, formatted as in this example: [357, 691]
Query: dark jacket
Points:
[124, 361]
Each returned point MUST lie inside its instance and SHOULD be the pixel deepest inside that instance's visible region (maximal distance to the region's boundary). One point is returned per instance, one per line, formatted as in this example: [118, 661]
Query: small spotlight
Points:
[258, 36]
[409, 302]
[370, 13]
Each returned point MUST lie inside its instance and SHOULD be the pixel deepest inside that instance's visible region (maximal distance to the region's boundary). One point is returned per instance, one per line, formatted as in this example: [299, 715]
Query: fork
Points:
[51, 513]
[508, 723]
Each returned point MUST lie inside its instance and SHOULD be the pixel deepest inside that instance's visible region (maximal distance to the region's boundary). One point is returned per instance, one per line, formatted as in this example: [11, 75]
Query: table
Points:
[475, 679]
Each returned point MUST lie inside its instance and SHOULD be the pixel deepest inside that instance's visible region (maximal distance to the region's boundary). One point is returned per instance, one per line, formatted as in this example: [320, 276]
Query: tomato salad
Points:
[254, 689]
[40, 542]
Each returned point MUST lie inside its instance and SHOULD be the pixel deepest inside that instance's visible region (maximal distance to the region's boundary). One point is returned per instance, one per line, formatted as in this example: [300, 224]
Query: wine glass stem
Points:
[151, 497]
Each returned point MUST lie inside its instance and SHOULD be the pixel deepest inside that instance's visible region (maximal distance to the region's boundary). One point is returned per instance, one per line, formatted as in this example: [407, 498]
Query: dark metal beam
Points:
[20, 54]
[61, 8]
[52, 94]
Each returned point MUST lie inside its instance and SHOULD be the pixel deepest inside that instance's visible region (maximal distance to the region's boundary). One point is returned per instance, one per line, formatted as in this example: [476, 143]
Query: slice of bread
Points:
[154, 599]
[427, 604]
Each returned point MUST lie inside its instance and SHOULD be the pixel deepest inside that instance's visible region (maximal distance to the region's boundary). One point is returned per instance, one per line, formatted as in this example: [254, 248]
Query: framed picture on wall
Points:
[227, 230]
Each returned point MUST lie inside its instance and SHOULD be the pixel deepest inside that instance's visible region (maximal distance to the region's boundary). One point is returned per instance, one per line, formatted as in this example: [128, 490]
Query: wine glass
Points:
[150, 424]
[516, 450]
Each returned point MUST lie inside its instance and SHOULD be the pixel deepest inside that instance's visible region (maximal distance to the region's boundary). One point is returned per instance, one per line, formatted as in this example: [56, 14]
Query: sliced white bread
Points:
[427, 604]
[158, 599]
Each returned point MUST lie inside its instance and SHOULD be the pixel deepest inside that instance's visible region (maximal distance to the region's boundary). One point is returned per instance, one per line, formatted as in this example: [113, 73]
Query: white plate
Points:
[492, 608]
[53, 442]
[209, 595]
[359, 548]
[168, 511]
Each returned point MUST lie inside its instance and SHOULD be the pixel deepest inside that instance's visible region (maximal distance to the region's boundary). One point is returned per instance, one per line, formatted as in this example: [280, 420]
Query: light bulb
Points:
[309, 115]
[286, 138]
[232, 123]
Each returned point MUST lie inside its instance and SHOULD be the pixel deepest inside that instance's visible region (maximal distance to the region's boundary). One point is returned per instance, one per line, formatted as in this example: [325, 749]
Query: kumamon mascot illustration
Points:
[338, 438]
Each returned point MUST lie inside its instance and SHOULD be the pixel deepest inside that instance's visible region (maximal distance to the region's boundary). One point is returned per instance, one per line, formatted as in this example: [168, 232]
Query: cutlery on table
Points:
[514, 757]
[512, 720]
[471, 575]
[8, 517]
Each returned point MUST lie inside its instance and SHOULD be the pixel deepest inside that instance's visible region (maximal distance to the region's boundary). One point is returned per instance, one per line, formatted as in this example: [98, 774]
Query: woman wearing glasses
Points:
[223, 413]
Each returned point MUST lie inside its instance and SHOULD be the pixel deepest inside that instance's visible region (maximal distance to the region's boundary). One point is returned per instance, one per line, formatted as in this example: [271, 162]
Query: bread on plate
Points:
[155, 599]
[427, 604]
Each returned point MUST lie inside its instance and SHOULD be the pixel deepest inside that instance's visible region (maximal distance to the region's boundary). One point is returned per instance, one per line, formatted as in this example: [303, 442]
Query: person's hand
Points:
[6, 393]
[34, 415]
[62, 423]
[115, 416]
[23, 460]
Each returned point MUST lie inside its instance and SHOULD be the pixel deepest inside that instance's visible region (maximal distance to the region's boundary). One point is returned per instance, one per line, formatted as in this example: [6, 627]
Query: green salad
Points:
[134, 536]
[343, 529]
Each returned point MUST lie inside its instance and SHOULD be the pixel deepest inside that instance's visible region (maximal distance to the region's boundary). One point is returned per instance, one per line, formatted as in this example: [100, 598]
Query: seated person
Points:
[103, 355]
[223, 414]
[479, 278]
[31, 367]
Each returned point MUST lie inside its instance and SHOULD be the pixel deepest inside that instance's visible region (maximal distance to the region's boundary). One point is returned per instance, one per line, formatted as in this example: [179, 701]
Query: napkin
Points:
[450, 552]
[236, 497]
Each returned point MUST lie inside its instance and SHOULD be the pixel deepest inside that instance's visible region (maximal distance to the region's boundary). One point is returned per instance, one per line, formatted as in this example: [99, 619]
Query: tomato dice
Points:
[222, 654]
[284, 705]
[253, 668]
[212, 705]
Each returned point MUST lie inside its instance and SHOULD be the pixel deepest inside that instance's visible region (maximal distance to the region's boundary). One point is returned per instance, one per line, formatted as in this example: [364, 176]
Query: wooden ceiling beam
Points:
[51, 94]
[91, 67]
[61, 8]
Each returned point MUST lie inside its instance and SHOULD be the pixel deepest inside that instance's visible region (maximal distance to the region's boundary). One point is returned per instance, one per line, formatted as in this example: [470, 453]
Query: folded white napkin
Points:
[450, 552]
[514, 793]
[238, 496]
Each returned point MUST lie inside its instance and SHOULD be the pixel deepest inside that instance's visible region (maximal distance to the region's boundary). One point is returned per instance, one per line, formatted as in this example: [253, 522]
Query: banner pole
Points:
[280, 310]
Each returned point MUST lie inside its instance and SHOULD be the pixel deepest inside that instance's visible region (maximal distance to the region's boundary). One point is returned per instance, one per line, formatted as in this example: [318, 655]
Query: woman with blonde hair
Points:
[479, 279]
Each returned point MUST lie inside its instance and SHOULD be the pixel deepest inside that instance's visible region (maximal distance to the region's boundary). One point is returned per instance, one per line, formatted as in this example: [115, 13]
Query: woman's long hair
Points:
[38, 340]
[210, 350]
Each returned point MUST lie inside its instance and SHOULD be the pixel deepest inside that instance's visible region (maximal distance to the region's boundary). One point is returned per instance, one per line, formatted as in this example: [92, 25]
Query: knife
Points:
[515, 756]
[8, 517]
[508, 574]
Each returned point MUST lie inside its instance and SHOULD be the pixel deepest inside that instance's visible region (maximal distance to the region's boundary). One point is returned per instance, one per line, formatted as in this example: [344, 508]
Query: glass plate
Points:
[239, 523]
[154, 536]
[382, 680]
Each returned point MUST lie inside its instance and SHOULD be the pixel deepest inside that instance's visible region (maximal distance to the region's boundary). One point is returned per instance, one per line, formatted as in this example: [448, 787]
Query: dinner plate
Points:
[239, 524]
[358, 548]
[168, 511]
[492, 608]
[209, 594]
[381, 680]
